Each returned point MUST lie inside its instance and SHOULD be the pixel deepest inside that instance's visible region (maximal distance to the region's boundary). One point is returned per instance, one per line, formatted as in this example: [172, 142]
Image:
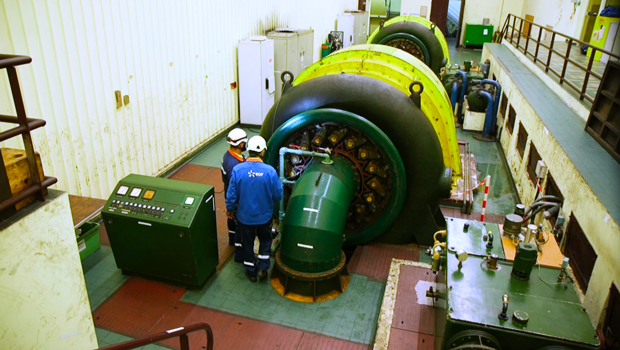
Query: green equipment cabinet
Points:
[477, 34]
[163, 228]
[541, 313]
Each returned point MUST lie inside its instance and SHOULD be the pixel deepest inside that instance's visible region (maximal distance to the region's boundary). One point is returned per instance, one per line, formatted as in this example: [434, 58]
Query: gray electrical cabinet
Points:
[354, 25]
[293, 52]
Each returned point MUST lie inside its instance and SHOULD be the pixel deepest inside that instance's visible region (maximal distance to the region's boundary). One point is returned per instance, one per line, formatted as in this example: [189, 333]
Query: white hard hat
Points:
[257, 144]
[237, 136]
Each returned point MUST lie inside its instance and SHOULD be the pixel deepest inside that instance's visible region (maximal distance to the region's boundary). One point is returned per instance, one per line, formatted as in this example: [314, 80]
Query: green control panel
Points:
[163, 228]
[541, 313]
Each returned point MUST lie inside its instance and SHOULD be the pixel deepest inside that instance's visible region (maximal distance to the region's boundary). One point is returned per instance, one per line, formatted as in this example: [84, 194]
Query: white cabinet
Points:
[354, 26]
[294, 52]
[257, 84]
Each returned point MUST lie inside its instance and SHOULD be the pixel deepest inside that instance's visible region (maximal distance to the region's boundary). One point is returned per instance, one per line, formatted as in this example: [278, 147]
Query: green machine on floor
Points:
[163, 229]
[485, 301]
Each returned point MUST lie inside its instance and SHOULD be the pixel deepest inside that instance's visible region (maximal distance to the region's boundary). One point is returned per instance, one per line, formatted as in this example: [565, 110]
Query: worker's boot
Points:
[262, 275]
[251, 278]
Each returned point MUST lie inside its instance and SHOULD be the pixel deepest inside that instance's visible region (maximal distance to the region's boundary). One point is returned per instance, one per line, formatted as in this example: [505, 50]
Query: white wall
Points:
[564, 16]
[412, 7]
[495, 10]
[174, 59]
[43, 294]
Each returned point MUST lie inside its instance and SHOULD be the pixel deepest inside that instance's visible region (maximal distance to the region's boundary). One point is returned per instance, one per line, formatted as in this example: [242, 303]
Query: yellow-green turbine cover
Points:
[398, 69]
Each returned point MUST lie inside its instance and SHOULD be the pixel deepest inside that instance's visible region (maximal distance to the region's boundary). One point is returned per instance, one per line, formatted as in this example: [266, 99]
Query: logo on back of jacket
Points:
[253, 173]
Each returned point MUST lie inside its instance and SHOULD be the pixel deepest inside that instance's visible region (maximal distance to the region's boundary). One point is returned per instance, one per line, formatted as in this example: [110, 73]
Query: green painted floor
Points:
[102, 276]
[461, 54]
[489, 161]
[352, 316]
[212, 156]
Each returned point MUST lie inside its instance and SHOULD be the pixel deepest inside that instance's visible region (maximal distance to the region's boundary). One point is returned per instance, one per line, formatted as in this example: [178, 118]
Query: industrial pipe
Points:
[488, 120]
[539, 209]
[436, 249]
[498, 96]
[541, 200]
[311, 262]
[283, 151]
[454, 95]
[313, 230]
[462, 91]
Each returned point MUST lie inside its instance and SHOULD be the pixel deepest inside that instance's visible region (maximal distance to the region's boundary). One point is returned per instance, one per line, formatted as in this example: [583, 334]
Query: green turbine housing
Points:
[420, 184]
[312, 233]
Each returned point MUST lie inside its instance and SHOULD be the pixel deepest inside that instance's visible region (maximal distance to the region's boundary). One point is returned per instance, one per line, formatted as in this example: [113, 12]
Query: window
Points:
[552, 189]
[534, 157]
[521, 140]
[510, 122]
[581, 254]
[503, 106]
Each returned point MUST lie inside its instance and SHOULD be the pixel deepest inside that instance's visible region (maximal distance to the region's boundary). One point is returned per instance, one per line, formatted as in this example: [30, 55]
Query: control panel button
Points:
[171, 211]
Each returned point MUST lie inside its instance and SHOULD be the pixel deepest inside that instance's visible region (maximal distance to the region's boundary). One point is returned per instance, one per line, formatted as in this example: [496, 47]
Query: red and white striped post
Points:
[487, 183]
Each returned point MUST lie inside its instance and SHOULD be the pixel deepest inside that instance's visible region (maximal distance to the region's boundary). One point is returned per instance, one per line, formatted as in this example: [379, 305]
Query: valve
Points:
[490, 241]
[502, 316]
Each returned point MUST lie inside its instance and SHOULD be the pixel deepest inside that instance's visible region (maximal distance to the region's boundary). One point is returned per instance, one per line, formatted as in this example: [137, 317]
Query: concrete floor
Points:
[574, 74]
[460, 54]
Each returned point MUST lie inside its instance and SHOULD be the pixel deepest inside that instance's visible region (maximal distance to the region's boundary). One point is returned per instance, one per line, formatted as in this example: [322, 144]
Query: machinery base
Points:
[479, 137]
[310, 287]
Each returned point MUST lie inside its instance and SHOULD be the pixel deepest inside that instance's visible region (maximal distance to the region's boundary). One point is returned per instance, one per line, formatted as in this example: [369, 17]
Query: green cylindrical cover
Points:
[525, 260]
[313, 229]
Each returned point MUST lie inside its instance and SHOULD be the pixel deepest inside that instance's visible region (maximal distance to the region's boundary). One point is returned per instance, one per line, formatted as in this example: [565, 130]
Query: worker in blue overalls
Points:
[253, 191]
[238, 139]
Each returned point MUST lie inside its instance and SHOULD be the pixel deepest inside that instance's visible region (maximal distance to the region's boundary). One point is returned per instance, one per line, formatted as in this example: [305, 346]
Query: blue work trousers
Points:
[234, 238]
[248, 234]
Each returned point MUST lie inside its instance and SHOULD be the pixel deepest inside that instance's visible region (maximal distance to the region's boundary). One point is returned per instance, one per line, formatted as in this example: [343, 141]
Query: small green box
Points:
[477, 34]
[88, 240]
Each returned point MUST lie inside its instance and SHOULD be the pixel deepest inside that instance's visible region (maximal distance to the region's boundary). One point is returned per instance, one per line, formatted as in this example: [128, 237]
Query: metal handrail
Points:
[180, 332]
[518, 29]
[25, 125]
